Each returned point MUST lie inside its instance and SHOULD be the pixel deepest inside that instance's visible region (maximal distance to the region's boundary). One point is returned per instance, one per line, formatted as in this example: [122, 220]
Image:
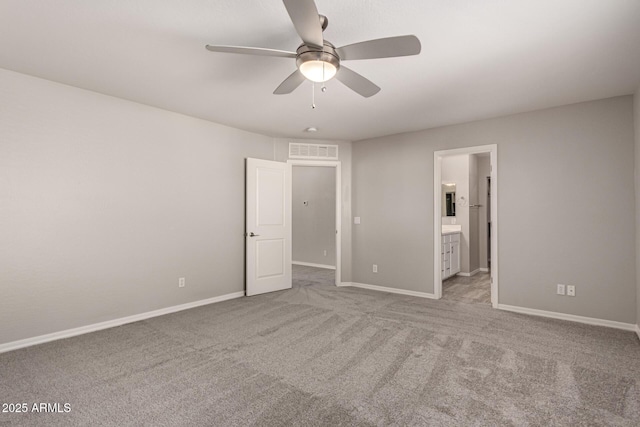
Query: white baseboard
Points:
[638, 331]
[483, 270]
[27, 342]
[390, 290]
[570, 317]
[310, 264]
[473, 273]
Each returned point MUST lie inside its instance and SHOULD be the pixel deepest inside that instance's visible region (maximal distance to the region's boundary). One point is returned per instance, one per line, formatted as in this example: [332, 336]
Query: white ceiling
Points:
[479, 59]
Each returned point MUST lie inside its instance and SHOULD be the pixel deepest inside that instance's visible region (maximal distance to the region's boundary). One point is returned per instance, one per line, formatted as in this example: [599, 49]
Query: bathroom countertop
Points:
[451, 229]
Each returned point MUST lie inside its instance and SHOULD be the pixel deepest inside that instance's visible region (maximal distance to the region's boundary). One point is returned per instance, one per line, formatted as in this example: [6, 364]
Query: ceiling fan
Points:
[318, 60]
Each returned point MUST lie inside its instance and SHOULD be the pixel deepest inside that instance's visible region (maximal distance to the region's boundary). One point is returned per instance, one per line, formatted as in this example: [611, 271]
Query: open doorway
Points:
[465, 237]
[316, 211]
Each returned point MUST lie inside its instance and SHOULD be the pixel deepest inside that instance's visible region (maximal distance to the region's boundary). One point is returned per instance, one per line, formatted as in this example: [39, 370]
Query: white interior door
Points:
[268, 226]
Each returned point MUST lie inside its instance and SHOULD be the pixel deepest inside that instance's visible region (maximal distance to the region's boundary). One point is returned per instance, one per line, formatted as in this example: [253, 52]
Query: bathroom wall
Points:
[463, 171]
[484, 170]
[455, 169]
[474, 255]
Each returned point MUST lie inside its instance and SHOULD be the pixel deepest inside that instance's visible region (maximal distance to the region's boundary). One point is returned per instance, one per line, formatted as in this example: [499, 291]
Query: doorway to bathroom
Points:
[465, 225]
[316, 222]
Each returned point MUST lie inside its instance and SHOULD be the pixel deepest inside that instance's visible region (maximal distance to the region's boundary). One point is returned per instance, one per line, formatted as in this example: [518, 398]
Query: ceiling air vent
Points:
[313, 151]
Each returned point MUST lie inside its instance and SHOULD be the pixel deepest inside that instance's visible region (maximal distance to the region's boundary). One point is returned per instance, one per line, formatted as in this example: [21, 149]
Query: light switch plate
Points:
[356, 220]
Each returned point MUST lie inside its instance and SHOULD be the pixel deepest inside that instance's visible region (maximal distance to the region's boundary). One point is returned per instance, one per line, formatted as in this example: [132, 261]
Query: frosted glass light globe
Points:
[318, 71]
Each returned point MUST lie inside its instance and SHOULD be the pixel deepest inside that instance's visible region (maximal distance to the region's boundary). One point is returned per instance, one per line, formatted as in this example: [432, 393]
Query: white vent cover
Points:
[313, 151]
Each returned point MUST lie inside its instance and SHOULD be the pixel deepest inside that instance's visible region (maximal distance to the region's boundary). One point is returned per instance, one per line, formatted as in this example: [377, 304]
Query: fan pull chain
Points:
[313, 96]
[323, 88]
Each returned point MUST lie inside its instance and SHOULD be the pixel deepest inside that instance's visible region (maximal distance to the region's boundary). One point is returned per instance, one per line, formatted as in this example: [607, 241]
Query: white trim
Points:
[494, 225]
[484, 270]
[27, 342]
[492, 149]
[570, 317]
[338, 166]
[473, 273]
[390, 290]
[638, 331]
[437, 225]
[311, 264]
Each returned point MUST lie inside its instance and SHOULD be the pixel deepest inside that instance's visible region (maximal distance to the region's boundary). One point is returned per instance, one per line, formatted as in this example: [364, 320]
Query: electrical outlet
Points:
[375, 268]
[325, 252]
[571, 290]
[181, 282]
[560, 290]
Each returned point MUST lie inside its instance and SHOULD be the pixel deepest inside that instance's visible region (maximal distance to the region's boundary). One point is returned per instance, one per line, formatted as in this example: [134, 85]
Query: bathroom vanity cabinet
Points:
[450, 254]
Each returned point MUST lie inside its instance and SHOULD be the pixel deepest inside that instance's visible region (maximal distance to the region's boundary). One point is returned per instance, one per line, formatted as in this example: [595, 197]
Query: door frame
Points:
[338, 167]
[492, 149]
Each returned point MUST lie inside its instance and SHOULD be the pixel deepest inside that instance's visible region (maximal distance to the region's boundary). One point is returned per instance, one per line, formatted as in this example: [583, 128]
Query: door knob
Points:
[253, 235]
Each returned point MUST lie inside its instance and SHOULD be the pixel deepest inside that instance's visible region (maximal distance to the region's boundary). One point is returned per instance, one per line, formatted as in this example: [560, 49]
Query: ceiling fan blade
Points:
[305, 18]
[252, 51]
[290, 83]
[381, 48]
[356, 82]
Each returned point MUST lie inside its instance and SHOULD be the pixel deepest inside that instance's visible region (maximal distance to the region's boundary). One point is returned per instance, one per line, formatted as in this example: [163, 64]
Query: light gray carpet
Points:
[305, 275]
[475, 289]
[327, 356]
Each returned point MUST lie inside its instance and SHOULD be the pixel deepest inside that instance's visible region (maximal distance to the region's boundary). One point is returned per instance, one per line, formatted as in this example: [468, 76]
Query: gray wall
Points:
[560, 171]
[106, 203]
[314, 223]
[393, 195]
[637, 188]
[281, 153]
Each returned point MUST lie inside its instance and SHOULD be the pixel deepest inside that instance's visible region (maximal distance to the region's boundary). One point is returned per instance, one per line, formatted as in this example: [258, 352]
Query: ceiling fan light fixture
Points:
[318, 71]
[318, 60]
[316, 64]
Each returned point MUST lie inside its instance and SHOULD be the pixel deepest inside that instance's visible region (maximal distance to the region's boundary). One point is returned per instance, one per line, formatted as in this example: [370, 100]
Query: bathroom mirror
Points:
[449, 199]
